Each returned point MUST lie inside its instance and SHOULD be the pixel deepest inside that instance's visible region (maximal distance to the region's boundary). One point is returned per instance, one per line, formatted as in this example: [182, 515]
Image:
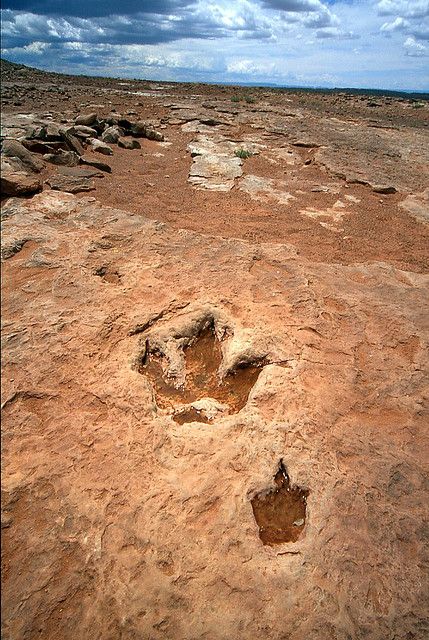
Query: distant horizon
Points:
[365, 44]
[268, 85]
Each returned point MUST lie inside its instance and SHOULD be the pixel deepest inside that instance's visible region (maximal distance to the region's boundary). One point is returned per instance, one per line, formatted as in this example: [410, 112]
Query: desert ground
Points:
[214, 362]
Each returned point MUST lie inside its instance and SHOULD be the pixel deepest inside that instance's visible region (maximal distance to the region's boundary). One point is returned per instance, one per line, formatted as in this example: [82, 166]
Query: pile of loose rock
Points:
[66, 146]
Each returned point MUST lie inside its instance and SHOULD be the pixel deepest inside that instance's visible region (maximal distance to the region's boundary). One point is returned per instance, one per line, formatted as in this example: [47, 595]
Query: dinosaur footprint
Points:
[190, 375]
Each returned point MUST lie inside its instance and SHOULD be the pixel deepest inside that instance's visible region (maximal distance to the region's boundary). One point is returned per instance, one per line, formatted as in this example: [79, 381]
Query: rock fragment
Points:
[152, 134]
[70, 184]
[86, 119]
[20, 184]
[101, 147]
[72, 142]
[66, 158]
[53, 132]
[81, 172]
[126, 143]
[386, 189]
[112, 134]
[34, 131]
[14, 149]
[144, 130]
[81, 131]
[306, 144]
[98, 164]
[38, 146]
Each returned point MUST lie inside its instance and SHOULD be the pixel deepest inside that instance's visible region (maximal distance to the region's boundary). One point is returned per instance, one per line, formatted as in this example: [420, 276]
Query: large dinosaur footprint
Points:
[196, 369]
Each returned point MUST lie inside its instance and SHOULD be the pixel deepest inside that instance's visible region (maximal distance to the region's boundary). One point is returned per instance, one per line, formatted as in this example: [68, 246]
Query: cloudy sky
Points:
[344, 43]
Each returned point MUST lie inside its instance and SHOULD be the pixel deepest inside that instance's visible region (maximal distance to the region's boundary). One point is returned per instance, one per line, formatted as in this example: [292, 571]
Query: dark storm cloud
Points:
[96, 8]
[150, 21]
[20, 29]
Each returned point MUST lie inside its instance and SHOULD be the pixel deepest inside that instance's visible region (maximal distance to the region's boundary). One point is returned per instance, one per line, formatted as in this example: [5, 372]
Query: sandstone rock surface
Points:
[19, 183]
[214, 403]
[343, 376]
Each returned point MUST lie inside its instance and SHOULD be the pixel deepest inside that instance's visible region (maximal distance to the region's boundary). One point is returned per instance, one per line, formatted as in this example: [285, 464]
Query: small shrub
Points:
[235, 99]
[243, 154]
[249, 99]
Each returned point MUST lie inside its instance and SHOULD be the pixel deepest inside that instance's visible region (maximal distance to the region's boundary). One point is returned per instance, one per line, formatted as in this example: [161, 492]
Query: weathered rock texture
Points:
[129, 523]
[171, 363]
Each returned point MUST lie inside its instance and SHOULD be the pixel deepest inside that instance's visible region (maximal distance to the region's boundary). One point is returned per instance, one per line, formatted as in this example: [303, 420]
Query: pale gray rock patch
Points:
[330, 217]
[215, 172]
[261, 189]
[214, 167]
[417, 206]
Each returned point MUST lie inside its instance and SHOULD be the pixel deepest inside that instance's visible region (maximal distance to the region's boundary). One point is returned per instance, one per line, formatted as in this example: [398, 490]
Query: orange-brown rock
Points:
[214, 402]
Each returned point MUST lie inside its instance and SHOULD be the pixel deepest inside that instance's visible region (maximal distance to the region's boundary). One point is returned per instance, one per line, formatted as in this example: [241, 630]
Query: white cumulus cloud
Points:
[397, 24]
[414, 48]
[404, 8]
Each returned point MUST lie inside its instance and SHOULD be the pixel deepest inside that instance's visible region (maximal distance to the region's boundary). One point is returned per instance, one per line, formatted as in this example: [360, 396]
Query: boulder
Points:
[35, 131]
[124, 124]
[127, 143]
[152, 134]
[101, 147]
[70, 184]
[138, 129]
[86, 119]
[14, 149]
[53, 132]
[67, 158]
[10, 165]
